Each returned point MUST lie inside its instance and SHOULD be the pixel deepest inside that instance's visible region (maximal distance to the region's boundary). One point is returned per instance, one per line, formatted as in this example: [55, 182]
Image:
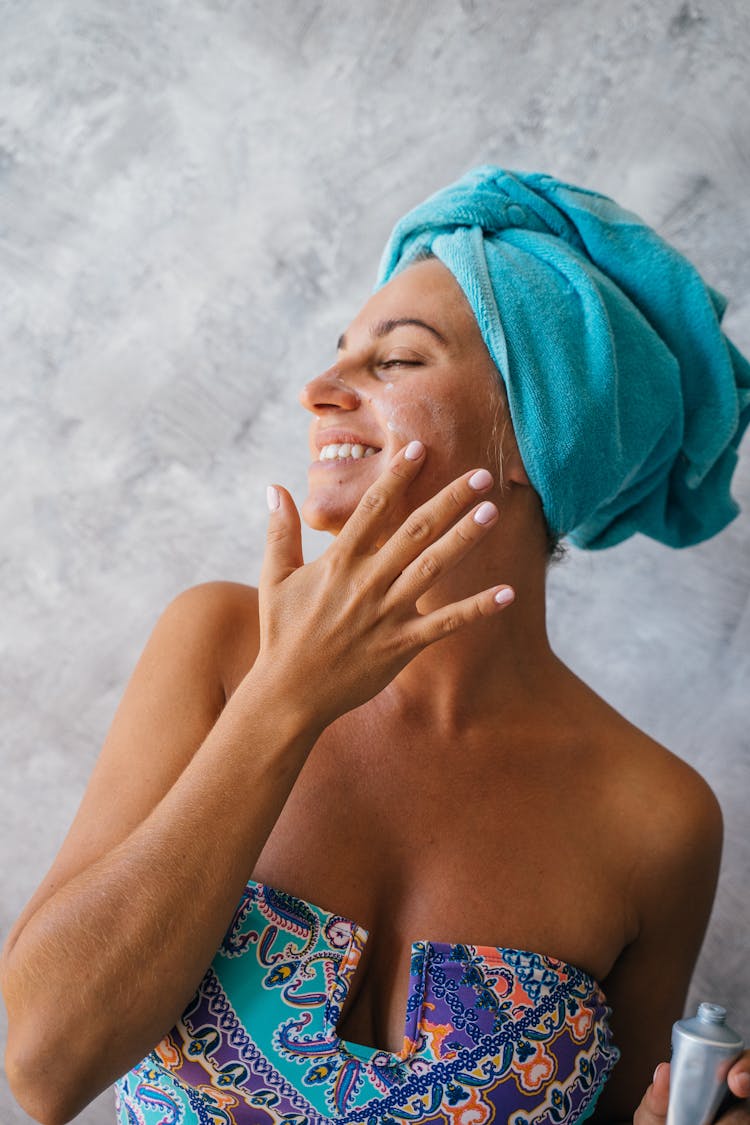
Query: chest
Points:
[461, 844]
[488, 1034]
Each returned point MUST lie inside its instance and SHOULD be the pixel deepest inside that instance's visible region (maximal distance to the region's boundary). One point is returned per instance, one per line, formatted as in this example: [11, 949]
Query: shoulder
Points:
[218, 604]
[671, 822]
[669, 825]
[649, 794]
[684, 838]
[216, 624]
[174, 696]
[659, 816]
[678, 809]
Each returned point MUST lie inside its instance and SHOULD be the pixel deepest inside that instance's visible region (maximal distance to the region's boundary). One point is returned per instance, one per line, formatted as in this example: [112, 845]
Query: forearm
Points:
[104, 968]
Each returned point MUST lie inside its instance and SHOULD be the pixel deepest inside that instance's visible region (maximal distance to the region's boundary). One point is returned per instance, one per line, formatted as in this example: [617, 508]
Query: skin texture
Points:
[378, 702]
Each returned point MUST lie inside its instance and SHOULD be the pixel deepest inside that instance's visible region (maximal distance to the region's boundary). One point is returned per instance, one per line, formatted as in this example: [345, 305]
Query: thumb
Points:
[653, 1108]
[283, 552]
[739, 1076]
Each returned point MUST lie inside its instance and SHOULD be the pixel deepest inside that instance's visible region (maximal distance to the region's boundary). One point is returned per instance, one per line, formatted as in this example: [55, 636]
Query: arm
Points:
[114, 943]
[673, 883]
[109, 950]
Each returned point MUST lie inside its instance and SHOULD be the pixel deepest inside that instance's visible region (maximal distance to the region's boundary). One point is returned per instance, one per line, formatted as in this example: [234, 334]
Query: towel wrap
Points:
[627, 399]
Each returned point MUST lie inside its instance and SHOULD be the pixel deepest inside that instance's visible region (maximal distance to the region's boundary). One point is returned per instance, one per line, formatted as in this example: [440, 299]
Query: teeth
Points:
[346, 449]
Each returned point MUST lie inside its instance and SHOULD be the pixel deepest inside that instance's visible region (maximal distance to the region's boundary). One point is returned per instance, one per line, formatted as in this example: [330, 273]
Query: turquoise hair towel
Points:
[627, 399]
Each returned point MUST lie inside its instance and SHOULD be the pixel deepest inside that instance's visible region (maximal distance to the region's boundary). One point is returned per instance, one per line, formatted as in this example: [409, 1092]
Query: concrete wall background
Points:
[194, 199]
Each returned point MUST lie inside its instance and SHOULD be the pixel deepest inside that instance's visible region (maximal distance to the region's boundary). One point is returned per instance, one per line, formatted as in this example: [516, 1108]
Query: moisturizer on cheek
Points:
[422, 416]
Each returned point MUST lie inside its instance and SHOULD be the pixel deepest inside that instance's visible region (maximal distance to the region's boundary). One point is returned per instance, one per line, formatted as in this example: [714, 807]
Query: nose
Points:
[328, 391]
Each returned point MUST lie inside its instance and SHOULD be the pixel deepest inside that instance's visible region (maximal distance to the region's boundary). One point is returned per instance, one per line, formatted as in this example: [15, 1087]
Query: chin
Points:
[323, 517]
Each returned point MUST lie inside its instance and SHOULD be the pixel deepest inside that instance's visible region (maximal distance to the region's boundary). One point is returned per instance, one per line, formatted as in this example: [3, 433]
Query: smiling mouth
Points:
[345, 453]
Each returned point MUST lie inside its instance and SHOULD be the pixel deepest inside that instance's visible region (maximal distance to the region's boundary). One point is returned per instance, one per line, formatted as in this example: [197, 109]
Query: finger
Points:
[430, 520]
[283, 552]
[361, 530]
[444, 554]
[653, 1107]
[449, 619]
[738, 1078]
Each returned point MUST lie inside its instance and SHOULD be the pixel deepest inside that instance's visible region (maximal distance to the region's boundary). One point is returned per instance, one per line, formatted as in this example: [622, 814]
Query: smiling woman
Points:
[425, 373]
[363, 848]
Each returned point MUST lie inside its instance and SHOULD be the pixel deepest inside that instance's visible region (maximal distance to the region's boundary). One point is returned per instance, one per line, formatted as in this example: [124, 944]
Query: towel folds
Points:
[627, 399]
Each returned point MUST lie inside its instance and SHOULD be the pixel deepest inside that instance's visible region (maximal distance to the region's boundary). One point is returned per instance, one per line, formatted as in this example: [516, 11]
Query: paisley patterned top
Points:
[492, 1034]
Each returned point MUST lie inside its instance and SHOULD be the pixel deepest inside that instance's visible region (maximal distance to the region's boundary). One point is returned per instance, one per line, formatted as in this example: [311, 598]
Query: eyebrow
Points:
[384, 327]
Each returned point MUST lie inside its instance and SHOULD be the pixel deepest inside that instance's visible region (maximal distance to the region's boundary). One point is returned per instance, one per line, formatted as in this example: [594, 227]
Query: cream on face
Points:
[393, 382]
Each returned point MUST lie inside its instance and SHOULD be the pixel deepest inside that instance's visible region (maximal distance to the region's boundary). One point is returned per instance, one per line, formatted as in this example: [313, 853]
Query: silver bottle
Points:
[703, 1050]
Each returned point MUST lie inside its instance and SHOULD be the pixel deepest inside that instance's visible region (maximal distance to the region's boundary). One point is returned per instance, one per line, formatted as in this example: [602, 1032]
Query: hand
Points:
[653, 1107]
[335, 632]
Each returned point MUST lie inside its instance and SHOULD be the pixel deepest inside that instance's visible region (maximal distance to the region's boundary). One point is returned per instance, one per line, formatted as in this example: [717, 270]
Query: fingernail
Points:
[414, 450]
[485, 512]
[742, 1085]
[481, 479]
[273, 498]
[657, 1071]
[503, 597]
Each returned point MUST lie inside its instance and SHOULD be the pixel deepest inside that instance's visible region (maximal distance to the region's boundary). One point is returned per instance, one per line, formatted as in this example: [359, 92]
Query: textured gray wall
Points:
[194, 199]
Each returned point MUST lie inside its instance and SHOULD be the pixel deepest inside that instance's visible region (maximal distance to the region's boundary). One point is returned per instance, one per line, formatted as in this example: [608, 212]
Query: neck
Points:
[497, 669]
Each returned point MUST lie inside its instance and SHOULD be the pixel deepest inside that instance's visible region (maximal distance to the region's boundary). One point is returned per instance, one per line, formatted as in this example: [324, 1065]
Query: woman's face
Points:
[395, 382]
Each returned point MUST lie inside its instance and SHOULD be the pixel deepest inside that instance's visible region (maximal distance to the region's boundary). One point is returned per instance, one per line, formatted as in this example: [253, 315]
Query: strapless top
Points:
[492, 1034]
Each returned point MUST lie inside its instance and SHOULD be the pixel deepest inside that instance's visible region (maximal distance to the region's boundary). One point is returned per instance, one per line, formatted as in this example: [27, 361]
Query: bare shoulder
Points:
[677, 805]
[222, 617]
[664, 812]
[661, 812]
[222, 602]
[202, 644]
[668, 826]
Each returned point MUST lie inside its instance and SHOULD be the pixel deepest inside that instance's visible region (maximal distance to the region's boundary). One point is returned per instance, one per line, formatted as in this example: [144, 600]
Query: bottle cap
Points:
[712, 1013]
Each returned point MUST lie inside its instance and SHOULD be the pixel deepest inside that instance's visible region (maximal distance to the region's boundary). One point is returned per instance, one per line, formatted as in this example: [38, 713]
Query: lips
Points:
[343, 437]
[345, 454]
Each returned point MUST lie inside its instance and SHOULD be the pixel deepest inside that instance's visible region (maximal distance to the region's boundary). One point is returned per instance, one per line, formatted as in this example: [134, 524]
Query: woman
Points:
[453, 844]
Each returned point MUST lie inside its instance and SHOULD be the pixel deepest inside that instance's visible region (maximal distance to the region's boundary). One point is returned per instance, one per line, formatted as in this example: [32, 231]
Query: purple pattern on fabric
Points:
[491, 1033]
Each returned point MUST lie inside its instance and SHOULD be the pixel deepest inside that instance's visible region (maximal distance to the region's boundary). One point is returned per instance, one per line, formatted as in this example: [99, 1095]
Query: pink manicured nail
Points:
[481, 479]
[504, 597]
[273, 498]
[414, 450]
[656, 1072]
[485, 512]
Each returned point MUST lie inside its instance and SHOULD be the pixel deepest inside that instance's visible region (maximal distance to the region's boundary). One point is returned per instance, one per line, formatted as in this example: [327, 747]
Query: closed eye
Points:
[400, 362]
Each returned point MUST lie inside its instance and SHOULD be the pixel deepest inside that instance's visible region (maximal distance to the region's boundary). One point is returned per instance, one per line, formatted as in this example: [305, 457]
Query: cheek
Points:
[450, 439]
[422, 417]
